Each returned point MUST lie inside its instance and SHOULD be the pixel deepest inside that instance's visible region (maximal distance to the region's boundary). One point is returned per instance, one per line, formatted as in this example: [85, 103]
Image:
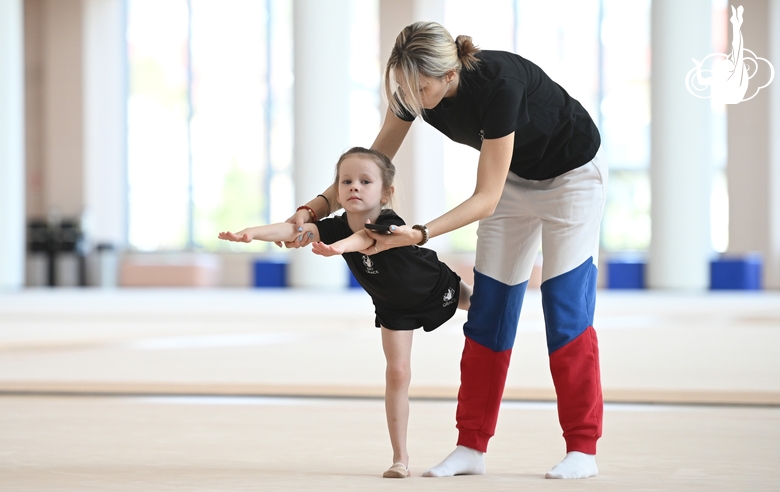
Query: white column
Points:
[11, 145]
[753, 169]
[420, 194]
[681, 162]
[105, 121]
[322, 89]
[63, 107]
[772, 256]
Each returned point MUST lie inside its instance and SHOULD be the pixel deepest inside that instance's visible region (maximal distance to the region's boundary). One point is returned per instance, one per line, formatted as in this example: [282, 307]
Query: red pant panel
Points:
[482, 378]
[577, 378]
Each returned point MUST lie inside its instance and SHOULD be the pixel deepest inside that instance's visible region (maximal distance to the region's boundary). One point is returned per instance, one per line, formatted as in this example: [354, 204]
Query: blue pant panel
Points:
[568, 301]
[494, 312]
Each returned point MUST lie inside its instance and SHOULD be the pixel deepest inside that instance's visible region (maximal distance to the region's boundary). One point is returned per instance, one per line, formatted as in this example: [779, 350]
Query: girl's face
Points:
[361, 189]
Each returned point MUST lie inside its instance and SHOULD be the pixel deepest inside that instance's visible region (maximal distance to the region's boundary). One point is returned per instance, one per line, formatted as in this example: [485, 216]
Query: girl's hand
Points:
[238, 237]
[399, 236]
[299, 218]
[323, 249]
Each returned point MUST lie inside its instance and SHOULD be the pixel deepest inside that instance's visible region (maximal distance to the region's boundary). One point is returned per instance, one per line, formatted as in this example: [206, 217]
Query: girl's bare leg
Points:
[397, 346]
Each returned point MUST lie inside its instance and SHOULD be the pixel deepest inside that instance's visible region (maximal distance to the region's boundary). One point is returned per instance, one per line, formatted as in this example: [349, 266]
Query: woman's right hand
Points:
[299, 218]
[399, 236]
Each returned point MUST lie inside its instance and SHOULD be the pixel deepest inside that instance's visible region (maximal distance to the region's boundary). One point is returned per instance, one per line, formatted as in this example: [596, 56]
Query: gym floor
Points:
[137, 389]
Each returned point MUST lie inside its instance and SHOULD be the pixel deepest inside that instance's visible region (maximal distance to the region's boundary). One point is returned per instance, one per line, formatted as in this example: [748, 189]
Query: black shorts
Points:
[430, 316]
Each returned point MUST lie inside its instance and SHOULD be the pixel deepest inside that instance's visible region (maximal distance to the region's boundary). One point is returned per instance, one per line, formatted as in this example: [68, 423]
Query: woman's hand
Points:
[299, 218]
[399, 236]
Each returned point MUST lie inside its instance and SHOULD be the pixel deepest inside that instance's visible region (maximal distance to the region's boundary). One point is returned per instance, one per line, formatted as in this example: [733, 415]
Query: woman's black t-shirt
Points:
[399, 278]
[507, 93]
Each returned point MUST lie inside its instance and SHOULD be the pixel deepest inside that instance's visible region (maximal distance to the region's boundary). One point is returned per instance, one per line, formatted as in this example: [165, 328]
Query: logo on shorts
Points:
[449, 297]
[369, 265]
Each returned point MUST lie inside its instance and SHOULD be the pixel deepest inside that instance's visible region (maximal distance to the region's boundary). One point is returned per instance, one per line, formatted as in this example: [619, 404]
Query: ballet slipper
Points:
[398, 470]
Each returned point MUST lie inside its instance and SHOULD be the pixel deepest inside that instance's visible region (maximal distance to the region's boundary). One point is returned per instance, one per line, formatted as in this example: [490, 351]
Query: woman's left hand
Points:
[399, 236]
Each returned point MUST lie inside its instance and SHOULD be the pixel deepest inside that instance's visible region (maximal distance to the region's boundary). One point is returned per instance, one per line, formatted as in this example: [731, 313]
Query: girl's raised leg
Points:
[397, 346]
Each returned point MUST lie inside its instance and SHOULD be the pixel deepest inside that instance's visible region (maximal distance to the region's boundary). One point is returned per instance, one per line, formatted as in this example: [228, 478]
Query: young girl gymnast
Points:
[409, 286]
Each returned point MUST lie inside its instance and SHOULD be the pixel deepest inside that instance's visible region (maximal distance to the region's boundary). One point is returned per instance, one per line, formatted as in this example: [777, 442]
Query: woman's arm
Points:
[492, 169]
[392, 134]
[322, 205]
[358, 241]
[273, 232]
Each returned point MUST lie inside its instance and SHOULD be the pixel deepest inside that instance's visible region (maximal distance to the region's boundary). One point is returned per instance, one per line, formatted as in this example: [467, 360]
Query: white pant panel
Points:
[563, 212]
[571, 209]
[508, 241]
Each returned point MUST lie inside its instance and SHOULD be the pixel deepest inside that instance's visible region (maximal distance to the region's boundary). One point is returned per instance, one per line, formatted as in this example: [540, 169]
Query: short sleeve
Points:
[504, 108]
[330, 230]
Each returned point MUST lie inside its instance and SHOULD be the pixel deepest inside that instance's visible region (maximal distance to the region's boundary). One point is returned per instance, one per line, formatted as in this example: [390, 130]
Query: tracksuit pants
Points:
[564, 213]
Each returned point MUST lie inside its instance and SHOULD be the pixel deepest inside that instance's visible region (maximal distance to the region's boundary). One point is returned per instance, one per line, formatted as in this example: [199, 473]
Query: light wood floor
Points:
[285, 394]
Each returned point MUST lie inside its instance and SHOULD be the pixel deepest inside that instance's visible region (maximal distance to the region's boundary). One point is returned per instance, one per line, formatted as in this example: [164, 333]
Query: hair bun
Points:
[466, 51]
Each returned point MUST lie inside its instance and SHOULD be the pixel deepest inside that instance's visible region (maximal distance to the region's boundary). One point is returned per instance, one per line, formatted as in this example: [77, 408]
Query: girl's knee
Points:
[398, 374]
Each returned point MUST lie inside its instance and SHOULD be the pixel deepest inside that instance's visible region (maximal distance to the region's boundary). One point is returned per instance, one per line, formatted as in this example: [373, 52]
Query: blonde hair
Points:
[424, 49]
[385, 165]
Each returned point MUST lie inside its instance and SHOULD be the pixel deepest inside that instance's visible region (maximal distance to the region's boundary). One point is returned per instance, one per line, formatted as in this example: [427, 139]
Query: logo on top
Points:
[728, 77]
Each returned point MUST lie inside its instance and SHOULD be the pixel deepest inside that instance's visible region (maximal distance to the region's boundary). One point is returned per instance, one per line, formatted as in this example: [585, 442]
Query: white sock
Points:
[462, 461]
[575, 465]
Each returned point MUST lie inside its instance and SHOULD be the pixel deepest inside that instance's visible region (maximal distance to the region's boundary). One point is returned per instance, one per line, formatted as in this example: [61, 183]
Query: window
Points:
[366, 70]
[211, 121]
[625, 128]
[600, 53]
[211, 116]
[210, 124]
[625, 123]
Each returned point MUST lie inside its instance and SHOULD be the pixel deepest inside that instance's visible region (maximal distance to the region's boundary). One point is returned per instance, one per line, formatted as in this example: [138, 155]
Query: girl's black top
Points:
[399, 278]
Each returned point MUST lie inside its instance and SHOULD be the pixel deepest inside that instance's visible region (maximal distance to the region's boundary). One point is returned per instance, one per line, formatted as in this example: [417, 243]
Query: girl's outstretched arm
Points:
[356, 242]
[273, 232]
